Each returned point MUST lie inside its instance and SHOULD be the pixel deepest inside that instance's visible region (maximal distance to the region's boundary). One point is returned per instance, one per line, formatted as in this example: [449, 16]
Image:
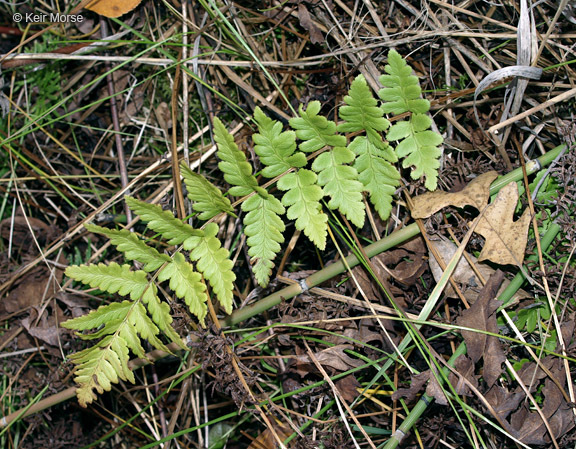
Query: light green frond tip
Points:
[132, 247]
[122, 325]
[264, 229]
[361, 111]
[303, 200]
[379, 177]
[101, 366]
[206, 198]
[275, 148]
[162, 221]
[187, 284]
[340, 183]
[214, 263]
[419, 146]
[401, 92]
[314, 130]
[237, 171]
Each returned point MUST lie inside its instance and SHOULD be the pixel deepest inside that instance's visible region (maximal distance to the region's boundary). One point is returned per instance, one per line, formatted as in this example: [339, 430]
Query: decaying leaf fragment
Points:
[476, 193]
[506, 239]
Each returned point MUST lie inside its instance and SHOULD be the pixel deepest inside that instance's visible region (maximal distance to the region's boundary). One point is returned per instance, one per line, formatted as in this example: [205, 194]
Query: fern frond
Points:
[378, 175]
[99, 367]
[275, 148]
[361, 111]
[119, 279]
[107, 362]
[132, 247]
[303, 198]
[401, 92]
[419, 147]
[187, 284]
[264, 229]
[214, 262]
[340, 183]
[109, 316]
[237, 171]
[206, 198]
[162, 221]
[111, 278]
[314, 130]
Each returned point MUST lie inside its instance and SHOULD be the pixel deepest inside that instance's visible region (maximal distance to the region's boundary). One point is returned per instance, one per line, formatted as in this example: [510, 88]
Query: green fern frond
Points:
[132, 247]
[214, 262]
[275, 148]
[111, 278]
[206, 198]
[102, 365]
[237, 171]
[187, 284]
[419, 147]
[162, 221]
[378, 175]
[314, 130]
[361, 111]
[264, 229]
[303, 198]
[401, 92]
[109, 316]
[340, 183]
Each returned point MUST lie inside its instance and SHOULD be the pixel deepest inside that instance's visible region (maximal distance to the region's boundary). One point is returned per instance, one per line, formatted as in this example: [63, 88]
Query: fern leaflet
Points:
[303, 198]
[187, 284]
[264, 229]
[132, 247]
[419, 145]
[275, 148]
[402, 92]
[162, 221]
[340, 183]
[206, 198]
[379, 177]
[314, 130]
[237, 171]
[214, 262]
[361, 111]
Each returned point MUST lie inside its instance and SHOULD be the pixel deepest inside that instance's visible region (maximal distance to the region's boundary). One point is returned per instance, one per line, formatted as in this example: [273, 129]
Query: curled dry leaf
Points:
[112, 8]
[465, 276]
[482, 316]
[476, 193]
[506, 239]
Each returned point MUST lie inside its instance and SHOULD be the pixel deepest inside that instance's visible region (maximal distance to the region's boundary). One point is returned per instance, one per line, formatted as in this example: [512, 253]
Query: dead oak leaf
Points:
[476, 194]
[506, 239]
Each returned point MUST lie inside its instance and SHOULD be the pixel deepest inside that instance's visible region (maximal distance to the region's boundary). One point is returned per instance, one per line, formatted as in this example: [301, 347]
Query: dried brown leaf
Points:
[505, 238]
[476, 194]
[482, 316]
[348, 387]
[112, 8]
[308, 24]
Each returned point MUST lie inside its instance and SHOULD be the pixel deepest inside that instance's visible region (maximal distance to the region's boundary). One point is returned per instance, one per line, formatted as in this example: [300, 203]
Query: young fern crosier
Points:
[341, 172]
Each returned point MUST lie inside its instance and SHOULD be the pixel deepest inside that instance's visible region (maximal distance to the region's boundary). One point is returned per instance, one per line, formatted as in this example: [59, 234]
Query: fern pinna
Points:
[343, 168]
